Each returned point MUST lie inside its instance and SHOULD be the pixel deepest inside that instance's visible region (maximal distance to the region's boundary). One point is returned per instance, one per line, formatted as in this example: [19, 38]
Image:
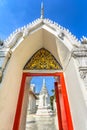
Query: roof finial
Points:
[42, 10]
[44, 83]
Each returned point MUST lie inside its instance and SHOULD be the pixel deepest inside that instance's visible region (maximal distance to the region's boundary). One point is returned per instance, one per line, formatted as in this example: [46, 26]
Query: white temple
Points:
[28, 44]
[44, 108]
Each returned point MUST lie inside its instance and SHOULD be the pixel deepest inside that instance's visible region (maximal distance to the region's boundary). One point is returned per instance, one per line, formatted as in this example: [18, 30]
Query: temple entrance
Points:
[43, 48]
[64, 120]
[41, 110]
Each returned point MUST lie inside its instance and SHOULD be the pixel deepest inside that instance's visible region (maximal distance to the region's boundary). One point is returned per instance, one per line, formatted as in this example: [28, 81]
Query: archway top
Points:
[43, 60]
[22, 32]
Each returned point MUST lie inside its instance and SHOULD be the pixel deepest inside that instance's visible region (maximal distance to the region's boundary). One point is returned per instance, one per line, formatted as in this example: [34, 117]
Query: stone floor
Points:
[41, 123]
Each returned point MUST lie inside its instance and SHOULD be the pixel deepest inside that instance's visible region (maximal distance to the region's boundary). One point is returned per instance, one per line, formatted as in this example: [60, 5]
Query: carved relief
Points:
[80, 54]
[43, 59]
[83, 74]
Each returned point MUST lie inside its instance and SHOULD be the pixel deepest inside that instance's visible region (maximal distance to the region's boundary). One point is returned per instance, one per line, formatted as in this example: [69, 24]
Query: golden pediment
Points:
[42, 60]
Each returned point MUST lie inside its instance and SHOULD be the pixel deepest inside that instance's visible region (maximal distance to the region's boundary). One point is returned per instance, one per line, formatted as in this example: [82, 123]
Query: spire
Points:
[42, 10]
[44, 89]
[44, 83]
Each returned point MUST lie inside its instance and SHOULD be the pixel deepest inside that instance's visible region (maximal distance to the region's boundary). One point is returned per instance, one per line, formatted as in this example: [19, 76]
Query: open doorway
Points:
[41, 110]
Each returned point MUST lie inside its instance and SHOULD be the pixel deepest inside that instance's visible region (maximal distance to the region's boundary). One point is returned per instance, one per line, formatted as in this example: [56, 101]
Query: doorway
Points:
[41, 110]
[63, 110]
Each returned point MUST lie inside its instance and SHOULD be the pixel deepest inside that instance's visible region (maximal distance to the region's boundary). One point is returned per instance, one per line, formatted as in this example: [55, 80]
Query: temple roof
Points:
[24, 31]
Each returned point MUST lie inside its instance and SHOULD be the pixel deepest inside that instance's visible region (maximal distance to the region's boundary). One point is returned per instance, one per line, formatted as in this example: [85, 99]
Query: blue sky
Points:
[71, 14]
[38, 81]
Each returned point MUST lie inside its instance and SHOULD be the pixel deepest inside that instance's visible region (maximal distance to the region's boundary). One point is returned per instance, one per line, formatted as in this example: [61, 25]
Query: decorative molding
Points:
[83, 72]
[80, 54]
[11, 40]
[61, 35]
[6, 56]
[41, 60]
[80, 51]
[84, 40]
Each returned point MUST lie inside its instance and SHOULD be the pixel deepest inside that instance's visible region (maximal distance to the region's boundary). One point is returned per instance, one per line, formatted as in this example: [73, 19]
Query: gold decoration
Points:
[41, 60]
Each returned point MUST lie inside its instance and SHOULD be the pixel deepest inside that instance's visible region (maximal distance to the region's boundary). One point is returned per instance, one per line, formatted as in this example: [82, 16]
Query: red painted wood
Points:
[58, 106]
[42, 74]
[63, 112]
[19, 104]
[66, 104]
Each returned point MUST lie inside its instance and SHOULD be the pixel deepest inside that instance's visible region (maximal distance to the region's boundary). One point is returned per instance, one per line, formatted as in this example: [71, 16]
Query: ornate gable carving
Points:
[42, 60]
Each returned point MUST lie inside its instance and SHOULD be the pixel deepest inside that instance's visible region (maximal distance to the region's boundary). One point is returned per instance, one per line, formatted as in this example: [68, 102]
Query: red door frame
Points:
[61, 113]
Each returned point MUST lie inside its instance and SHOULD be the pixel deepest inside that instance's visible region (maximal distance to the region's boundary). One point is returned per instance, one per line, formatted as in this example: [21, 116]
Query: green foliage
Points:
[0, 79]
[52, 98]
[1, 42]
[53, 91]
[51, 101]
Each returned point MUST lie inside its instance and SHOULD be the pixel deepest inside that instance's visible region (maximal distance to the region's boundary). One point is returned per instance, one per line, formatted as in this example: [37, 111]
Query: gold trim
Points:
[42, 60]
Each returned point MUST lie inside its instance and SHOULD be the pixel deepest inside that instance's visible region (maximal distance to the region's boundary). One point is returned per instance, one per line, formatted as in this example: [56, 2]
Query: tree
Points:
[1, 42]
[52, 98]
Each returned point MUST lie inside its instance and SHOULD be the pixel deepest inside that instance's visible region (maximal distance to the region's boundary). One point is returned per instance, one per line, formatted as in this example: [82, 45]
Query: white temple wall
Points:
[10, 86]
[32, 104]
[76, 100]
[63, 52]
[9, 94]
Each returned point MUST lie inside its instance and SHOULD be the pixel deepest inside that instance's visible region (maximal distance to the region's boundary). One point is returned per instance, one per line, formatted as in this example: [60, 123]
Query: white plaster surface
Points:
[75, 96]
